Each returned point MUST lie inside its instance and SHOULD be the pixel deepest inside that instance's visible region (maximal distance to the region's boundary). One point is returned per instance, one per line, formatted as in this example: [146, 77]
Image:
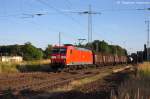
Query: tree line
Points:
[29, 52]
[104, 47]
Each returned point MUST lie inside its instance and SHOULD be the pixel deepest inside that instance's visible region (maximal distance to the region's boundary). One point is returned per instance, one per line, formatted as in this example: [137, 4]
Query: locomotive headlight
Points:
[63, 57]
[53, 57]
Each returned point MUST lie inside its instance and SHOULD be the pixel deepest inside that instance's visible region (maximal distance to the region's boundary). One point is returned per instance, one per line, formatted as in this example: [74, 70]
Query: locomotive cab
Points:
[58, 56]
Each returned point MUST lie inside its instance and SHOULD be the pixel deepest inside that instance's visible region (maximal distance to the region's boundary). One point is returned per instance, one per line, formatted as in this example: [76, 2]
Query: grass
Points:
[74, 85]
[144, 69]
[32, 66]
[36, 62]
[10, 67]
[136, 87]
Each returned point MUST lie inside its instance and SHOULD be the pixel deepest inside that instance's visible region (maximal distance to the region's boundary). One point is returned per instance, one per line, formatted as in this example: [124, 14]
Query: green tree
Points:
[30, 52]
[47, 52]
[104, 47]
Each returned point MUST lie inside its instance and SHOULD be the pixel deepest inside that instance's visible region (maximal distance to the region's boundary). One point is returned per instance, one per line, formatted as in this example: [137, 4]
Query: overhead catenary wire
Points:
[62, 12]
[68, 4]
[33, 15]
[89, 12]
[59, 11]
[9, 15]
[27, 15]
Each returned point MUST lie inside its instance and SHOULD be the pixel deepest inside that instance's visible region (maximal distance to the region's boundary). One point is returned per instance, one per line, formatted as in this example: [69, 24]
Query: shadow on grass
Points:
[29, 94]
[34, 68]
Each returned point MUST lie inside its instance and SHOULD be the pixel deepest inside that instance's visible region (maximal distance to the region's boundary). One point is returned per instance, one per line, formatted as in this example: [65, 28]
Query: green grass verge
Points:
[8, 68]
[26, 66]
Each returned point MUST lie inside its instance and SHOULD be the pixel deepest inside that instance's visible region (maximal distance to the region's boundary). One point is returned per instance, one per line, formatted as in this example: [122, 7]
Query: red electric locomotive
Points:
[70, 55]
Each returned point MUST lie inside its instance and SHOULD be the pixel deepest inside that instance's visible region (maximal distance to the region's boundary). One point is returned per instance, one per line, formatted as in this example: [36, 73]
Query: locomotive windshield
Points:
[59, 50]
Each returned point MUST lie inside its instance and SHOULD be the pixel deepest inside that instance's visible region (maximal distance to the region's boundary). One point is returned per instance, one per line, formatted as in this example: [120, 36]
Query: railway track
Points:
[44, 81]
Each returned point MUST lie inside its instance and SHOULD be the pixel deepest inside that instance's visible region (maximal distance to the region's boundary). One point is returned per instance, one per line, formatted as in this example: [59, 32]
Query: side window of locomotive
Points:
[63, 50]
[55, 51]
[59, 50]
[71, 51]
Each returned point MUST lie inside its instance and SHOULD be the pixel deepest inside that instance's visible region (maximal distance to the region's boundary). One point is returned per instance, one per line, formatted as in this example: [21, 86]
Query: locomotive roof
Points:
[84, 49]
[79, 48]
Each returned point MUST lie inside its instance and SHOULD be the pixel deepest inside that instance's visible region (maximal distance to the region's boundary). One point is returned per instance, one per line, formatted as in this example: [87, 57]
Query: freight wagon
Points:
[109, 59]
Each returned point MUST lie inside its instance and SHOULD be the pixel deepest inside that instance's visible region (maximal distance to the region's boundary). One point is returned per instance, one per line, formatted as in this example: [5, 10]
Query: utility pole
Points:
[89, 13]
[59, 44]
[81, 41]
[147, 22]
[89, 24]
[59, 39]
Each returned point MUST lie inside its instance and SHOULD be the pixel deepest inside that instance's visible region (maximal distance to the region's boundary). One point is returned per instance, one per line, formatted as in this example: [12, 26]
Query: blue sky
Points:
[118, 23]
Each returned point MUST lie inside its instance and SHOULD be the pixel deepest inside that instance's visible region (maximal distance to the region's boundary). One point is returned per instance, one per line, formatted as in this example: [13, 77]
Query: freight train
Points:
[69, 56]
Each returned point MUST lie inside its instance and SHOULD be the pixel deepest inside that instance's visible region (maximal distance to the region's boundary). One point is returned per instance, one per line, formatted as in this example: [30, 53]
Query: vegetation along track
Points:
[38, 81]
